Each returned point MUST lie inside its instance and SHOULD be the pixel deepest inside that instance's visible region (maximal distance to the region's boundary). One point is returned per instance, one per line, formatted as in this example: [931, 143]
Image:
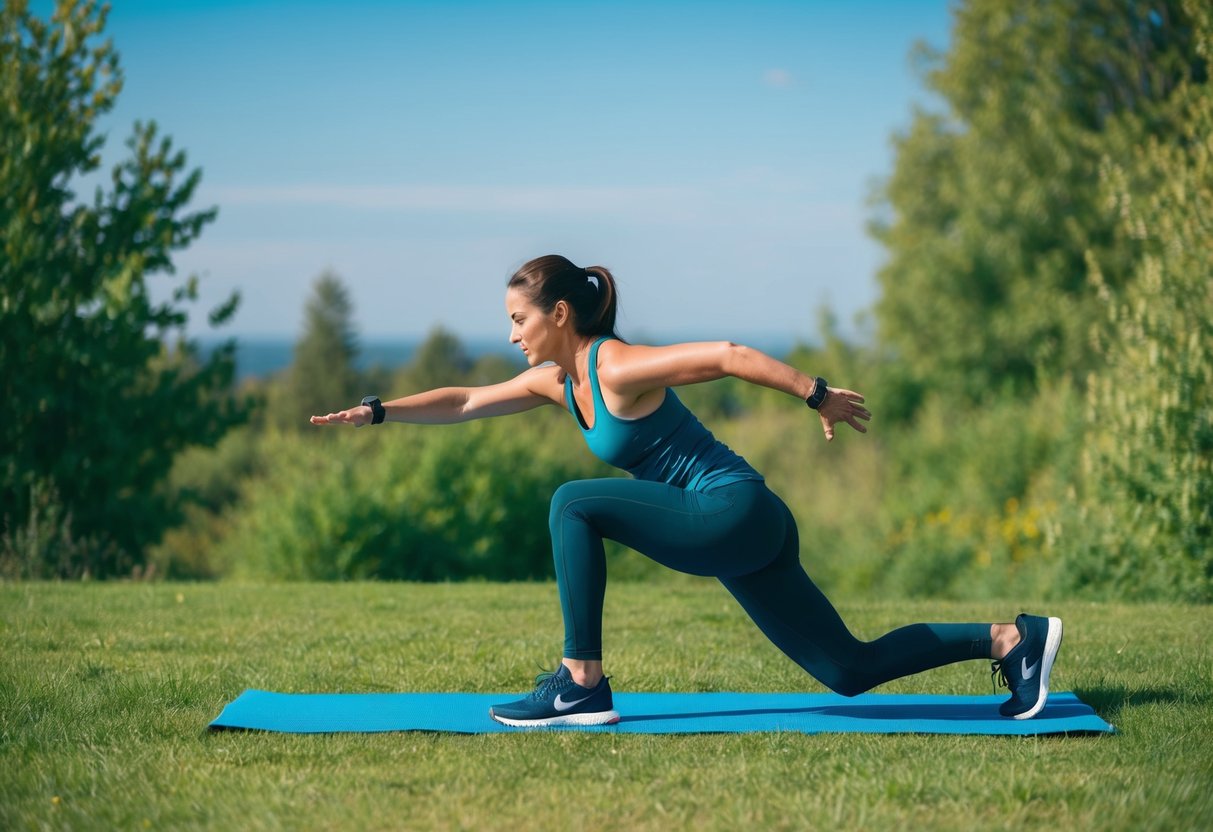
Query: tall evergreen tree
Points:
[440, 361]
[323, 375]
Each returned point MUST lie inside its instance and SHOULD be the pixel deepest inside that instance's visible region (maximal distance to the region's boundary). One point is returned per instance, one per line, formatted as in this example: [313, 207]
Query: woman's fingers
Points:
[843, 406]
[345, 417]
[855, 400]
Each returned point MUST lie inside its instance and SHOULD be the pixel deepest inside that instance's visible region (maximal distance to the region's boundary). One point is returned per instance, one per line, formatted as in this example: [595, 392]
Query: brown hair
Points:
[589, 292]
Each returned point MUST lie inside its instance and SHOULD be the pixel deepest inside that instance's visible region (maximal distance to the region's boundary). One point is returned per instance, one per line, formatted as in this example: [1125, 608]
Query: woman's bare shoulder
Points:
[546, 380]
[615, 350]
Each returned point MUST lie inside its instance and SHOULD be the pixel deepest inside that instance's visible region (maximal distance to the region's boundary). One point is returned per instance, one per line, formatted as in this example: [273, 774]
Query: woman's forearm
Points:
[756, 367]
[443, 406]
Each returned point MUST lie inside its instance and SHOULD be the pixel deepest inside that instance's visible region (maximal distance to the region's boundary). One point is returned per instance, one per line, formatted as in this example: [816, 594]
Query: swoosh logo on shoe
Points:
[562, 705]
[1028, 672]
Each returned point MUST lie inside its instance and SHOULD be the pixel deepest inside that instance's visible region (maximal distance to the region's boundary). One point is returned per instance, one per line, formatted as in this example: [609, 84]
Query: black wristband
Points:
[378, 414]
[819, 394]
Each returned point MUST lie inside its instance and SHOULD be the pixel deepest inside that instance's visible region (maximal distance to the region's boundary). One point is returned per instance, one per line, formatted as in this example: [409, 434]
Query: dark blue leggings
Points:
[743, 534]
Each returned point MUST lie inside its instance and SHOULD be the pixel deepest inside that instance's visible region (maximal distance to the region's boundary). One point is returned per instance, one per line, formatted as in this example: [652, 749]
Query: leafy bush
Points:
[1146, 526]
[408, 502]
[976, 494]
[43, 541]
[204, 485]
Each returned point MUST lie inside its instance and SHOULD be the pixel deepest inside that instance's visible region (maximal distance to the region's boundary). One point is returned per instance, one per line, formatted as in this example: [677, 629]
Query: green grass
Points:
[105, 691]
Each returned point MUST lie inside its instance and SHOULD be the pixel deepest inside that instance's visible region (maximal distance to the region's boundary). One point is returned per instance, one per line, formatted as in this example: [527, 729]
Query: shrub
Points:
[408, 502]
[1145, 529]
[976, 497]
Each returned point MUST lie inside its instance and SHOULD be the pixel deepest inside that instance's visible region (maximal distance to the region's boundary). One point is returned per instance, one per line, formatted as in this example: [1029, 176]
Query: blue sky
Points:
[716, 156]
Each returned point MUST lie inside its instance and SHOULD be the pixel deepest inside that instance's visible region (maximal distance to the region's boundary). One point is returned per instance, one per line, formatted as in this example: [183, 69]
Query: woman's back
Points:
[669, 445]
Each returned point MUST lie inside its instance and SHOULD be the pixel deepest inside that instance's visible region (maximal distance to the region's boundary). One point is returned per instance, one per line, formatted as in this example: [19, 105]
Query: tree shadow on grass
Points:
[1111, 701]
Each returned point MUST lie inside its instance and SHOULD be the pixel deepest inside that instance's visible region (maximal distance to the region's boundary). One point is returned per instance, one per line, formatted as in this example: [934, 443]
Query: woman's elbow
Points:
[733, 357]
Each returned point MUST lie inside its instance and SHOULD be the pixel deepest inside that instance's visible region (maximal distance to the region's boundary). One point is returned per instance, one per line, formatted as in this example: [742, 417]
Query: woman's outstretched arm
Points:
[448, 405]
[634, 369]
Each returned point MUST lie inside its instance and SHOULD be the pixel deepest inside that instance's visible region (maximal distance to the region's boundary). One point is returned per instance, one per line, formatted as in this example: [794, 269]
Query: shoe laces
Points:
[544, 683]
[998, 676]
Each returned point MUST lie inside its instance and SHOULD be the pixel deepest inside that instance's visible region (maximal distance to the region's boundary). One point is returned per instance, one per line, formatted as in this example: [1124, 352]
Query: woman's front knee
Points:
[562, 498]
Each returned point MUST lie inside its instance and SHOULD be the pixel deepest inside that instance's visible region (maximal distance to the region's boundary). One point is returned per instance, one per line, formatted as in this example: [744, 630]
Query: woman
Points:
[692, 505]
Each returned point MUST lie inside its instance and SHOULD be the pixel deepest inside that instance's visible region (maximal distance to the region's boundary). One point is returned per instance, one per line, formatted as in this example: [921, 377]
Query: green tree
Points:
[102, 385]
[493, 368]
[322, 376]
[995, 200]
[440, 361]
[1147, 525]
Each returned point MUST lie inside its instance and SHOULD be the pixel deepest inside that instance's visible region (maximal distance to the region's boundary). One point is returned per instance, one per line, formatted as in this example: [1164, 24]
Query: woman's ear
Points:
[560, 313]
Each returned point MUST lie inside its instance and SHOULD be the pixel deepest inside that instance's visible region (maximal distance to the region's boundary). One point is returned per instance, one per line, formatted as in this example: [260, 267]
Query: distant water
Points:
[261, 356]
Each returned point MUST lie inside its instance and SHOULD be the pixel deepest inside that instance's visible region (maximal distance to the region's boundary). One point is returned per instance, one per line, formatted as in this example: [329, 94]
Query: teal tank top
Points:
[669, 445]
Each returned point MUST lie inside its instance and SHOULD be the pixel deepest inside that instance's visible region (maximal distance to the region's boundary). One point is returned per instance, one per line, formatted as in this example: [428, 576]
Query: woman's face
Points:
[530, 328]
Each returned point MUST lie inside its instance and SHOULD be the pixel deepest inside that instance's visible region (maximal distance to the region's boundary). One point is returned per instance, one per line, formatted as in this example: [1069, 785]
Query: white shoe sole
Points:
[600, 718]
[1052, 645]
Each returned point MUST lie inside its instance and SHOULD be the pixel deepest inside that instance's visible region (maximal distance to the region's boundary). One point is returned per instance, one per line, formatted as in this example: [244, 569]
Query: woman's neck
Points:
[576, 360]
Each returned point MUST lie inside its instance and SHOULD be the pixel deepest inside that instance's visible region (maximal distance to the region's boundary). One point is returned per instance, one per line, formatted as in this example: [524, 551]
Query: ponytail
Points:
[604, 316]
[589, 292]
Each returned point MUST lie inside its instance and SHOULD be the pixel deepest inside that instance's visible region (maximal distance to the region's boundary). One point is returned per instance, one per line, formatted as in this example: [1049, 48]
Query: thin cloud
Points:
[534, 201]
[756, 198]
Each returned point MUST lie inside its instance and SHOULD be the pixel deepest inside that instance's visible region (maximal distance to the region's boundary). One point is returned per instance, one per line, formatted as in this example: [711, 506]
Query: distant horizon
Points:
[856, 330]
[668, 336]
[264, 356]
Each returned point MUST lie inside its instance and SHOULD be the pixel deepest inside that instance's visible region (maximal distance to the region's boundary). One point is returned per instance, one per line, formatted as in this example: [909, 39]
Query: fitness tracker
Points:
[378, 414]
[820, 391]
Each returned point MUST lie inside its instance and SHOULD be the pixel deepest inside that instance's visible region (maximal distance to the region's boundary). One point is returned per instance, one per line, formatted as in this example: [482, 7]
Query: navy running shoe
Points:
[558, 700]
[1025, 669]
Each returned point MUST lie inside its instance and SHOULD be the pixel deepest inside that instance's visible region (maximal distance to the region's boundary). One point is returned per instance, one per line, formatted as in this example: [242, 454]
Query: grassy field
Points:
[105, 692]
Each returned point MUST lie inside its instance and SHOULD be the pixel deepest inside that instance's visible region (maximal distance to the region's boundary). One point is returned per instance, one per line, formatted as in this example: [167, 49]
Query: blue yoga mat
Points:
[661, 713]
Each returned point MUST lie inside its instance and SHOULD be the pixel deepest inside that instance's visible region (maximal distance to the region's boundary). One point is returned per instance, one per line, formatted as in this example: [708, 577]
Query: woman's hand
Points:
[842, 406]
[356, 416]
